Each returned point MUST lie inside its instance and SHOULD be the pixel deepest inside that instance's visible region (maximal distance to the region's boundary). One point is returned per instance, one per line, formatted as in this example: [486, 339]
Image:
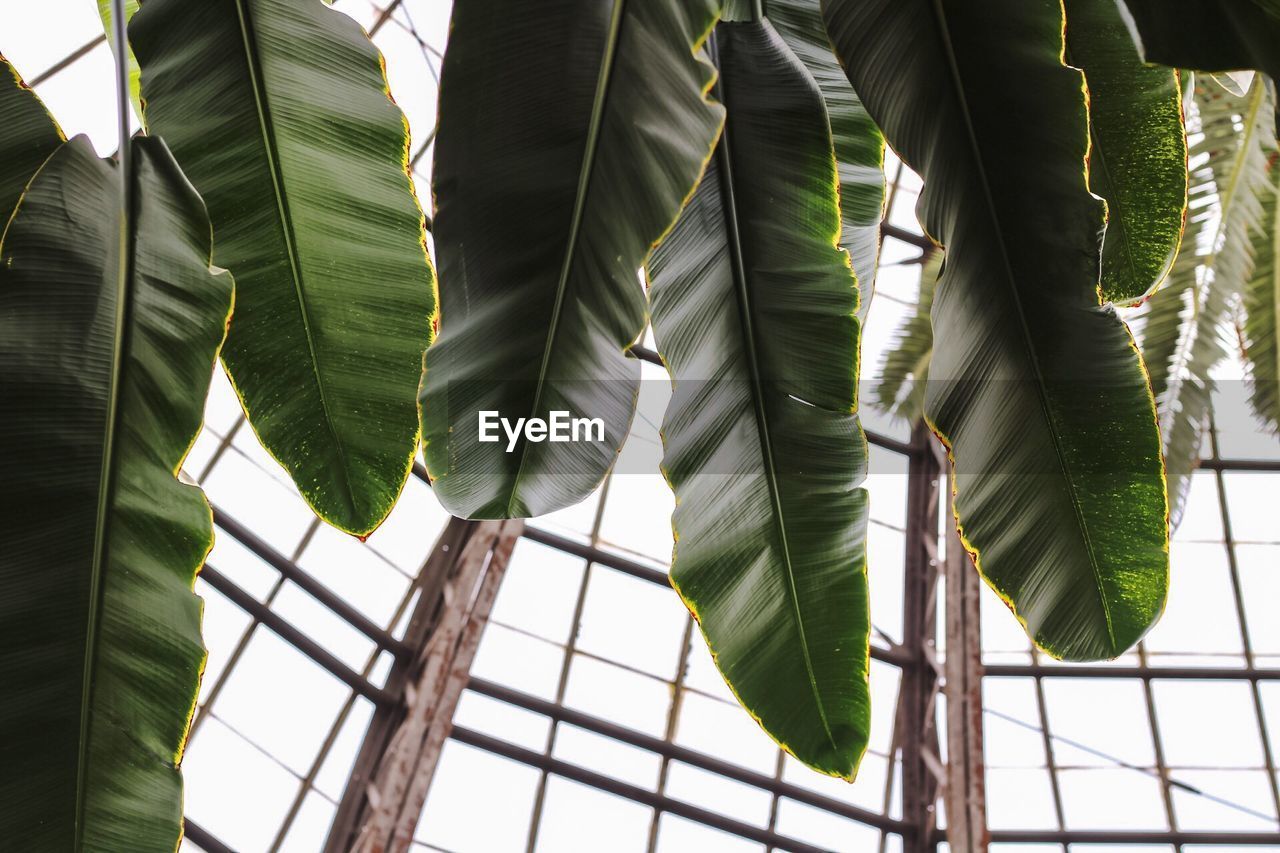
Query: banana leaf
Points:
[754, 313]
[28, 135]
[105, 359]
[858, 143]
[279, 112]
[1138, 156]
[1036, 388]
[571, 132]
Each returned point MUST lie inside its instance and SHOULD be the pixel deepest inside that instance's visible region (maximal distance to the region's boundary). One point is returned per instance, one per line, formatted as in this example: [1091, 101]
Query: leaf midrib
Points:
[599, 106]
[106, 485]
[275, 169]
[1042, 391]
[738, 265]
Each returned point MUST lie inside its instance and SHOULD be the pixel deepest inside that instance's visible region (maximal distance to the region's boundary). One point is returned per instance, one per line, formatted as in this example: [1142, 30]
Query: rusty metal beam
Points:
[393, 769]
[965, 791]
[920, 680]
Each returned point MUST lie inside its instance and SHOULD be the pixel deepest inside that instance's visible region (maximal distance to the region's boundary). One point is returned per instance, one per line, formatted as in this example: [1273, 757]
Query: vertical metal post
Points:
[392, 773]
[920, 675]
[965, 792]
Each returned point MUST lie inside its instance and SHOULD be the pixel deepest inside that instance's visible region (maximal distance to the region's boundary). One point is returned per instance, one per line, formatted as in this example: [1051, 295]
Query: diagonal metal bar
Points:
[296, 638]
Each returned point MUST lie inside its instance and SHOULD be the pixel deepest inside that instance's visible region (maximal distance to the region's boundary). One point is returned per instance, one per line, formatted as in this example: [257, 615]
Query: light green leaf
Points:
[858, 143]
[754, 312]
[28, 135]
[1262, 311]
[904, 369]
[1037, 389]
[104, 11]
[279, 112]
[104, 374]
[551, 186]
[1188, 321]
[1138, 159]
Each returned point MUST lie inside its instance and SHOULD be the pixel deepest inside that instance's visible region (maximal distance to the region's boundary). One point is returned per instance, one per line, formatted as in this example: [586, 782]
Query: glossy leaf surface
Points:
[1188, 323]
[858, 143]
[278, 111]
[571, 131]
[1037, 389]
[753, 308]
[1138, 157]
[104, 376]
[28, 135]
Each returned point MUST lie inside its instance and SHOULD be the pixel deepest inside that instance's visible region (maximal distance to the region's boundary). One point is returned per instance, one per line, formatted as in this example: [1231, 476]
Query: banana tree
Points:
[738, 162]
[111, 318]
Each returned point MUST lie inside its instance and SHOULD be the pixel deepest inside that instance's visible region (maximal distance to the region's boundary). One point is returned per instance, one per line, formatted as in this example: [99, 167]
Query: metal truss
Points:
[925, 775]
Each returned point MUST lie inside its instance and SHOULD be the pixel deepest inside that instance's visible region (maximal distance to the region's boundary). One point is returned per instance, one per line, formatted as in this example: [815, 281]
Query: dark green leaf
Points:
[278, 110]
[753, 308]
[103, 377]
[1138, 160]
[1208, 35]
[1037, 388]
[571, 131]
[28, 135]
[858, 143]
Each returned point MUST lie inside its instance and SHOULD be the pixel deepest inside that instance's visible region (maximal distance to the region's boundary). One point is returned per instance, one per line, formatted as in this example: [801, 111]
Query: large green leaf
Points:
[753, 310]
[858, 143]
[1037, 389]
[28, 135]
[571, 131]
[1138, 159]
[104, 365]
[1187, 322]
[278, 110]
[104, 11]
[904, 368]
[1208, 35]
[1262, 311]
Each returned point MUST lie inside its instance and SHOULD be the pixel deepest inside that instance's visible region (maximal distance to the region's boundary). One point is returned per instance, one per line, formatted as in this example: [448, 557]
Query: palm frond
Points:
[904, 367]
[1187, 323]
